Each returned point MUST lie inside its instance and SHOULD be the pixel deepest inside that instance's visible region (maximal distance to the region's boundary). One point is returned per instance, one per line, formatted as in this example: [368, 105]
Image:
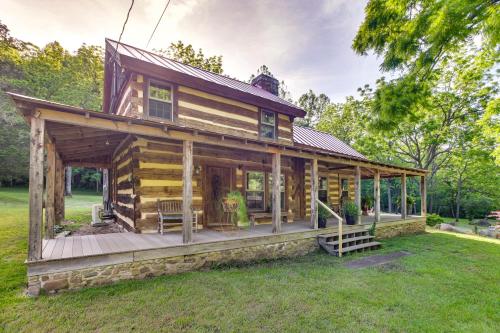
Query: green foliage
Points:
[323, 213]
[478, 207]
[414, 38]
[241, 213]
[433, 219]
[314, 105]
[367, 201]
[350, 209]
[372, 229]
[186, 54]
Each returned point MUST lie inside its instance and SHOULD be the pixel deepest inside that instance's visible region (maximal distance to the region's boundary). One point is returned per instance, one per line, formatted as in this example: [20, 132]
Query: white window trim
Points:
[163, 84]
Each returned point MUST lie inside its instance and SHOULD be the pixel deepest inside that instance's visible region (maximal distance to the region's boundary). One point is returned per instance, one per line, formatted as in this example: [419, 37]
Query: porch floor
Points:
[95, 245]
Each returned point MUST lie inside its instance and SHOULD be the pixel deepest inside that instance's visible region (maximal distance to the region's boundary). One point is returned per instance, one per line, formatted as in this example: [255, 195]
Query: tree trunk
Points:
[67, 189]
[389, 196]
[459, 193]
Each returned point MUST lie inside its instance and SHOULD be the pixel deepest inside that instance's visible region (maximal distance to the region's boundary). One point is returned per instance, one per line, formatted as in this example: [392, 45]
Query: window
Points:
[282, 191]
[323, 190]
[160, 101]
[345, 188]
[255, 190]
[267, 124]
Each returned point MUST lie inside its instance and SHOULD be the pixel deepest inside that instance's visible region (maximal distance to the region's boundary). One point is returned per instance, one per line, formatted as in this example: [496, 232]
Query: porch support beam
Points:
[357, 192]
[403, 196]
[376, 195]
[37, 133]
[50, 191]
[187, 191]
[314, 193]
[59, 191]
[423, 197]
[276, 193]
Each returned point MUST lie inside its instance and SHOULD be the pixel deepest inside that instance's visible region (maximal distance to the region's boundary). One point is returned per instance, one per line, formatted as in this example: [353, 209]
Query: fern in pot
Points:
[351, 212]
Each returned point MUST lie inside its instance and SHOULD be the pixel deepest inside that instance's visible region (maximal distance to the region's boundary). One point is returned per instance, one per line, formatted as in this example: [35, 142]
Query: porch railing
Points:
[340, 223]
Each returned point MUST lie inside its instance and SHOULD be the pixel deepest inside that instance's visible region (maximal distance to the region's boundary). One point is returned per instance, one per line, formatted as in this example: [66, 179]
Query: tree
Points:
[314, 105]
[414, 37]
[48, 73]
[187, 55]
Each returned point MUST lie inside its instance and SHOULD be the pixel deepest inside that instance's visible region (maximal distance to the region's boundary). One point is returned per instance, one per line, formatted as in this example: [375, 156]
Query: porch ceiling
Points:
[84, 146]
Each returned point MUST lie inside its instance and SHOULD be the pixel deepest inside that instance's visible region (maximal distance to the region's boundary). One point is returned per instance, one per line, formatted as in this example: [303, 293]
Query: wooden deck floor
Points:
[92, 245]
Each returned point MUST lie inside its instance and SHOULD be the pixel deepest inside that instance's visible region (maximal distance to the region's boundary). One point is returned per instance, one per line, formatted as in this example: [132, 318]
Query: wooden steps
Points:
[352, 241]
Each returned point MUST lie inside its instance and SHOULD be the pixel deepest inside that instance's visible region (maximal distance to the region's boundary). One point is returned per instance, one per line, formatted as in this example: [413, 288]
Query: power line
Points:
[123, 29]
[157, 23]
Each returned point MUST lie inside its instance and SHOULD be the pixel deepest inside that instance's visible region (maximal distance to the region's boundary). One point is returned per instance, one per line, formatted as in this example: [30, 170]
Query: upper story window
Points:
[268, 124]
[160, 101]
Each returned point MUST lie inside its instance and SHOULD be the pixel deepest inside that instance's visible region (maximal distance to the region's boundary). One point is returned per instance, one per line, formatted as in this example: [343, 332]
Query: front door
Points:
[218, 186]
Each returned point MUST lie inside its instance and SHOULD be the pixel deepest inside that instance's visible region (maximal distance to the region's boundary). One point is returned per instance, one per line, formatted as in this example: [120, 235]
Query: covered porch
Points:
[72, 136]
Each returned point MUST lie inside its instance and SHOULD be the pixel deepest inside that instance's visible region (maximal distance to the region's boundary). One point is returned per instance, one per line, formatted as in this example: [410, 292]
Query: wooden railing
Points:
[340, 223]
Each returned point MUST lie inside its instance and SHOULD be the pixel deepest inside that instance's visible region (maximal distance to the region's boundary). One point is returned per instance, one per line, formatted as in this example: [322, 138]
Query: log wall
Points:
[122, 185]
[334, 184]
[131, 101]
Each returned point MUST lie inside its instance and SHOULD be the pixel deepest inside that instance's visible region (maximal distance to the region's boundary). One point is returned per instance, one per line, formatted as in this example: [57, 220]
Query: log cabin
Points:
[173, 132]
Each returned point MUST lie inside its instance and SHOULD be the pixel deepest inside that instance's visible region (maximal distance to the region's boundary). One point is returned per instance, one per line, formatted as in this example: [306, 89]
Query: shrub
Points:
[371, 230]
[433, 219]
[323, 213]
[350, 209]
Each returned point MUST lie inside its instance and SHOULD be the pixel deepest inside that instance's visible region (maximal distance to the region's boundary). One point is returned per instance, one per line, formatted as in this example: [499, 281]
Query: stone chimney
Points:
[266, 82]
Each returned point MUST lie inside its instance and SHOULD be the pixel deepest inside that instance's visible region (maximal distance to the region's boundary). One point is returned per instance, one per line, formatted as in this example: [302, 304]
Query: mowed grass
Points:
[448, 284]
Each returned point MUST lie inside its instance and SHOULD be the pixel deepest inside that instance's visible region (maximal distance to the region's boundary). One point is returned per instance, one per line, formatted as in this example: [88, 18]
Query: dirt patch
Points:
[377, 260]
[87, 229]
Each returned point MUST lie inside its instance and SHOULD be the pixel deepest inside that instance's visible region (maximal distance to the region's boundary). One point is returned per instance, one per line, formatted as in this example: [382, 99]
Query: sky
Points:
[305, 43]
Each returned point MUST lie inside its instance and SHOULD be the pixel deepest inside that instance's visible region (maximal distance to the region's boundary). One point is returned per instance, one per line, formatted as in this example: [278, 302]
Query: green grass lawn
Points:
[449, 284]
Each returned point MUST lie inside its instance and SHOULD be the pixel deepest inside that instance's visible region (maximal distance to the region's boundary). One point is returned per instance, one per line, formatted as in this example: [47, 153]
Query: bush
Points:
[241, 213]
[433, 219]
[350, 209]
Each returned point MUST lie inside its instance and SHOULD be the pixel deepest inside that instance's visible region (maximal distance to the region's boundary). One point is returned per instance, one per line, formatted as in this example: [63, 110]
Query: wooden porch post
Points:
[276, 194]
[376, 195]
[50, 191]
[37, 133]
[187, 191]
[423, 197]
[59, 191]
[403, 196]
[314, 193]
[357, 192]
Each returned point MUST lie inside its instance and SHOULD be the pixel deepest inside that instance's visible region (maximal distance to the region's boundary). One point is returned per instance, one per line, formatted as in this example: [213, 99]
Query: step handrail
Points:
[328, 209]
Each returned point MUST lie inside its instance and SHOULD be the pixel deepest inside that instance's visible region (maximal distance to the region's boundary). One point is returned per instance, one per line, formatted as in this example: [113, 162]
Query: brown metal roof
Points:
[313, 138]
[155, 59]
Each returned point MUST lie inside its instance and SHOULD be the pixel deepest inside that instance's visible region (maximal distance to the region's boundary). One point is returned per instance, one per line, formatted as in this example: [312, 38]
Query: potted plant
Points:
[366, 204]
[323, 215]
[350, 212]
[235, 197]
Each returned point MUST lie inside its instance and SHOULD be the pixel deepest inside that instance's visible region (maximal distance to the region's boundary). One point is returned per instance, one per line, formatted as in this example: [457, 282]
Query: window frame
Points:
[275, 125]
[263, 191]
[147, 97]
[323, 189]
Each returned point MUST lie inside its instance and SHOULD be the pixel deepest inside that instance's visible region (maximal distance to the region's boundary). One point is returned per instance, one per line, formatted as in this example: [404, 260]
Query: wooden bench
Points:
[170, 211]
[265, 215]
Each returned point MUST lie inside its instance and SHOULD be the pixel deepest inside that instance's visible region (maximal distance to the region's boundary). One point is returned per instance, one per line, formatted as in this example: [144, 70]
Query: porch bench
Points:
[264, 215]
[170, 211]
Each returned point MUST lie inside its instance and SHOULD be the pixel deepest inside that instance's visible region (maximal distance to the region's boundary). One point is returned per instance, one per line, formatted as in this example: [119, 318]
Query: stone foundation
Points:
[400, 228]
[107, 274]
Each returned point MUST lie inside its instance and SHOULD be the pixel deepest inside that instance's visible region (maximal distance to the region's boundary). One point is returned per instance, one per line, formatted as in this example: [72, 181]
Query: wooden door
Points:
[218, 185]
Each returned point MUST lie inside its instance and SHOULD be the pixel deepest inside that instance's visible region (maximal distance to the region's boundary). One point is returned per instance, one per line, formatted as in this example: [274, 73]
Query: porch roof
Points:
[73, 126]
